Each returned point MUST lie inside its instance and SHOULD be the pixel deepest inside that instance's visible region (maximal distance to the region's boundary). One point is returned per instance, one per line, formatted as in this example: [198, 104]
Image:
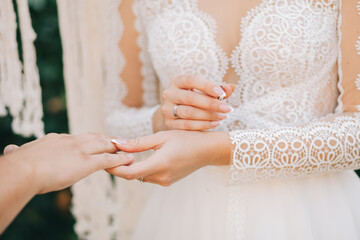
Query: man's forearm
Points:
[16, 188]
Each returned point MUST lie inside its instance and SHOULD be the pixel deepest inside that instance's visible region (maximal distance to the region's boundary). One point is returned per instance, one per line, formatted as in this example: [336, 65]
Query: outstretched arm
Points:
[51, 163]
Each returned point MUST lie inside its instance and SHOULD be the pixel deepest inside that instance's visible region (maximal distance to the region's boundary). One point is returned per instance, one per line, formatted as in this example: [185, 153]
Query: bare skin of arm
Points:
[51, 163]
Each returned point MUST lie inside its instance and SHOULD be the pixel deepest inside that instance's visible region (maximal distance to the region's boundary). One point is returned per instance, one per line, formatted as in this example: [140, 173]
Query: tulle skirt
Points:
[203, 206]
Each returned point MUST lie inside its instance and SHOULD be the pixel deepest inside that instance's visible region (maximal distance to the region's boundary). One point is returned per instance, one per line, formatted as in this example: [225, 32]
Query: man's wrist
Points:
[19, 165]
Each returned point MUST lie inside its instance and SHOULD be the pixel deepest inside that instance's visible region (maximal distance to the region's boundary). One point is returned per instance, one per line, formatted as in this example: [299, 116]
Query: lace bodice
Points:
[295, 62]
[286, 66]
[285, 60]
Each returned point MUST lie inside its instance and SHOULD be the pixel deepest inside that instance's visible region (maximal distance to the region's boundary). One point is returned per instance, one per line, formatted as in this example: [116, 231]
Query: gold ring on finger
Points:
[175, 111]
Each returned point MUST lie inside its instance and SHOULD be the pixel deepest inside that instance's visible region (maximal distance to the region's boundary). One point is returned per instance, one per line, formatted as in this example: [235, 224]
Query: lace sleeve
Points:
[131, 83]
[328, 145]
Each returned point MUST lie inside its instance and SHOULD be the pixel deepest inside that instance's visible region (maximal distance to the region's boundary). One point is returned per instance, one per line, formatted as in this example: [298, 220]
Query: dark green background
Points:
[47, 216]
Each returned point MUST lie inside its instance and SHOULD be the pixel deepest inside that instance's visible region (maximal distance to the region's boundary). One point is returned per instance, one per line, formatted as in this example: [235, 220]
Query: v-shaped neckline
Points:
[236, 51]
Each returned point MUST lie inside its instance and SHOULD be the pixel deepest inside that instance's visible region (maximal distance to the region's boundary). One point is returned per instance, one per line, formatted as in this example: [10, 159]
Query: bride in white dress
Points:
[294, 132]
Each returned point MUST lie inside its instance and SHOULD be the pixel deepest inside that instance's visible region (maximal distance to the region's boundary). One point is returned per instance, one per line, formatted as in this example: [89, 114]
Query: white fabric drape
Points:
[20, 90]
[104, 209]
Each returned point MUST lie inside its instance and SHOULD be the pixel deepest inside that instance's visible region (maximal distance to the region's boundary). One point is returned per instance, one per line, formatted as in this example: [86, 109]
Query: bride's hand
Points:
[177, 154]
[196, 110]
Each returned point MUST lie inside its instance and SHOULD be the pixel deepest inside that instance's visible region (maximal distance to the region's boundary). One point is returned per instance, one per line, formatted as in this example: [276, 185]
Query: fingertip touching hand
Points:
[193, 103]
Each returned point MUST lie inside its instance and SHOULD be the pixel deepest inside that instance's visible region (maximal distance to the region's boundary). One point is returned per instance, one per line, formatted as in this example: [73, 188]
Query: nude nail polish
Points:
[215, 123]
[219, 91]
[223, 116]
[119, 141]
[225, 108]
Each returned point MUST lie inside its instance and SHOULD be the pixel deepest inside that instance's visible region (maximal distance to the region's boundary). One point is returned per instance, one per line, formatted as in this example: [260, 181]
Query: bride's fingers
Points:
[229, 89]
[191, 125]
[196, 82]
[193, 113]
[139, 144]
[136, 170]
[108, 160]
[191, 98]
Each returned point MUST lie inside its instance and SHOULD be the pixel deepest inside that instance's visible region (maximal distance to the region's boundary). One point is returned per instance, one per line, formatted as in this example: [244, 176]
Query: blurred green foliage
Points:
[46, 216]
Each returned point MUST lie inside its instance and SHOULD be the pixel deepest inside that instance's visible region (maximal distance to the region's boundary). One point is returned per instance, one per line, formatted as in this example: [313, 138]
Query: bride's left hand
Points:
[177, 154]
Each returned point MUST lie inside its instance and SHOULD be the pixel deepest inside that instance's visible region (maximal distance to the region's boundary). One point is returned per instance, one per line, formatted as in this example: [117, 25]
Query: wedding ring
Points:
[222, 96]
[142, 180]
[175, 111]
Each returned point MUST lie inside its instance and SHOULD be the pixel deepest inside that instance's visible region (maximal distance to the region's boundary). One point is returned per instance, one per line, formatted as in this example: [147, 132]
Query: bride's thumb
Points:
[139, 144]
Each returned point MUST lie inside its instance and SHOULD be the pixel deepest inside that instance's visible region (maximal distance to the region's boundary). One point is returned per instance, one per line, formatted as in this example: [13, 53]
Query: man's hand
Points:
[57, 161]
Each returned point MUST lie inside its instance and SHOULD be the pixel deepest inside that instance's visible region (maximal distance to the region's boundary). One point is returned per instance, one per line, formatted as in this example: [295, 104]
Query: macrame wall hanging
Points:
[20, 91]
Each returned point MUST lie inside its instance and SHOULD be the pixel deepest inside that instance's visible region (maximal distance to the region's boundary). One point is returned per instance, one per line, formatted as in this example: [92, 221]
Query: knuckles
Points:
[213, 104]
[52, 135]
[96, 135]
[189, 112]
[165, 180]
[168, 124]
[135, 141]
[129, 176]
[187, 125]
[165, 95]
[189, 79]
[163, 110]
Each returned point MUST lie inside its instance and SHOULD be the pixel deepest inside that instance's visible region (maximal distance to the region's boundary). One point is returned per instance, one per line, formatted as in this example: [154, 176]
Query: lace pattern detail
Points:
[279, 154]
[357, 81]
[93, 221]
[122, 120]
[19, 82]
[150, 84]
[274, 60]
[272, 65]
[339, 108]
[182, 41]
[285, 47]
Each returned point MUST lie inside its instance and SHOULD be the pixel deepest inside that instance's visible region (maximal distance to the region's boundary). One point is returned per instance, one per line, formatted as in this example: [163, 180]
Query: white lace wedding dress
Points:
[295, 126]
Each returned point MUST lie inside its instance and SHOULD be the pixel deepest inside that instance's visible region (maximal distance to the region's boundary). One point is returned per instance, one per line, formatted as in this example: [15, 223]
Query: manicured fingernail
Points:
[8, 149]
[222, 97]
[215, 123]
[219, 91]
[119, 141]
[222, 116]
[225, 108]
